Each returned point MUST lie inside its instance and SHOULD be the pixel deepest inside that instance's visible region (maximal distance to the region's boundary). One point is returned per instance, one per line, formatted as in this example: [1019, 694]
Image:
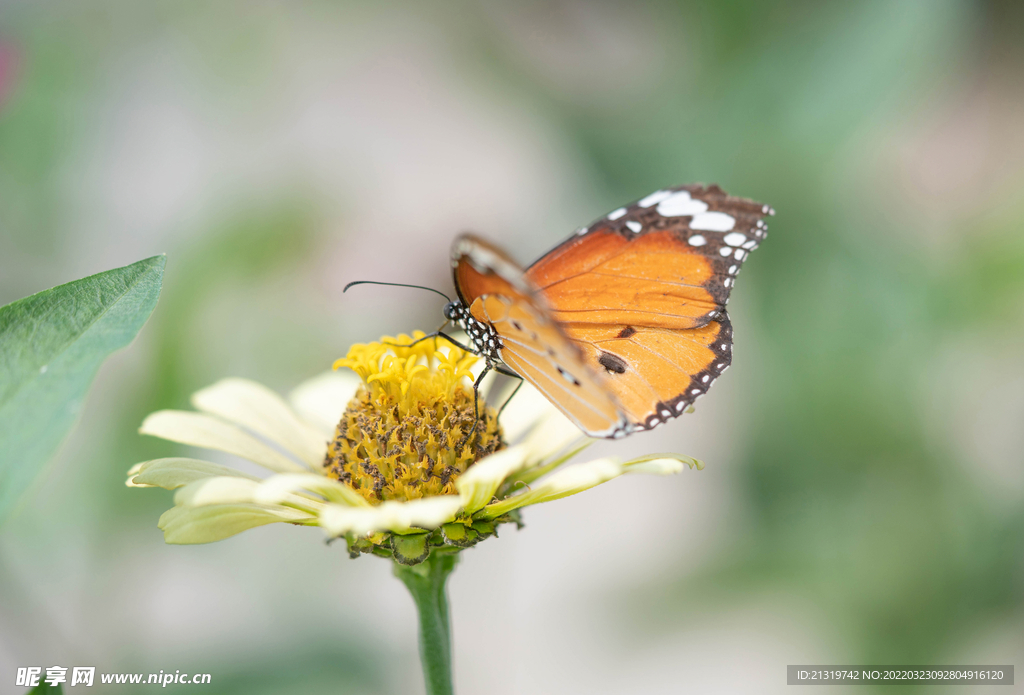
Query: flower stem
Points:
[426, 582]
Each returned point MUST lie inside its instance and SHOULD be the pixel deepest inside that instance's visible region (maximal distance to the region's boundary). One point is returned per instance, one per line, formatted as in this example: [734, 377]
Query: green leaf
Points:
[44, 687]
[51, 346]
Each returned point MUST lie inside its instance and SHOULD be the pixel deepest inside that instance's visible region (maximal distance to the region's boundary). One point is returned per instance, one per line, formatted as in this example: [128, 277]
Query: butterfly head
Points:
[455, 312]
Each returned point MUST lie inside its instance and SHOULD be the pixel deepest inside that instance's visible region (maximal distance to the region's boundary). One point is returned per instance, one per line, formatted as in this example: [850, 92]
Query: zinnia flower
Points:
[386, 461]
[405, 461]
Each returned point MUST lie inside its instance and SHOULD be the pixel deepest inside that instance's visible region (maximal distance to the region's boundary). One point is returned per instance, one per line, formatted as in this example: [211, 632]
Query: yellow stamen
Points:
[399, 437]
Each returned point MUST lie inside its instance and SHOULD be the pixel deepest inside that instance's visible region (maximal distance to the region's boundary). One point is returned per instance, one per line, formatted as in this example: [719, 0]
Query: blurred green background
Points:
[862, 501]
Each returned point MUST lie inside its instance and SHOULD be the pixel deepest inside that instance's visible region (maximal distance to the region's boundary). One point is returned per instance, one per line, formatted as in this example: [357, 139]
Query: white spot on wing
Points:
[568, 377]
[734, 239]
[740, 253]
[750, 244]
[697, 240]
[616, 214]
[680, 204]
[634, 226]
[654, 198]
[725, 250]
[713, 222]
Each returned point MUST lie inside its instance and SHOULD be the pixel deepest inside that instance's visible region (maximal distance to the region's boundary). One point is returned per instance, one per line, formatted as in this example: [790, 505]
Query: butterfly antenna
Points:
[395, 284]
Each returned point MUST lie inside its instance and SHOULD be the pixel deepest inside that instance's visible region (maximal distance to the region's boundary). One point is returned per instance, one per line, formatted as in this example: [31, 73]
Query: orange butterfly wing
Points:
[656, 373]
[498, 294]
[603, 277]
[624, 322]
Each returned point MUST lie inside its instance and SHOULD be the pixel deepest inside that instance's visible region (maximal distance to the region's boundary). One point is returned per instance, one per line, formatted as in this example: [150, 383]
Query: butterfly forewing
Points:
[701, 234]
[538, 351]
[605, 277]
[532, 343]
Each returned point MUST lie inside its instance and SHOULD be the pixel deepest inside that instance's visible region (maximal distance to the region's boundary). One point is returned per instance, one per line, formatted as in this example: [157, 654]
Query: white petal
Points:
[132, 472]
[662, 464]
[542, 426]
[322, 400]
[478, 484]
[553, 435]
[657, 467]
[207, 431]
[185, 525]
[232, 490]
[172, 473]
[217, 490]
[275, 489]
[524, 411]
[260, 410]
[549, 436]
[428, 513]
[567, 481]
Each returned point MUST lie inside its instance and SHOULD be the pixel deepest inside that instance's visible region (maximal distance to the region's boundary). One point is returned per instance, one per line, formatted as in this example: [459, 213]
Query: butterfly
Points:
[623, 325]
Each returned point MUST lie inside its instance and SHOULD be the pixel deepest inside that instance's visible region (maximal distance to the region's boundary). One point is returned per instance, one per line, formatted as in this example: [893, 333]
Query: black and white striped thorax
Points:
[484, 340]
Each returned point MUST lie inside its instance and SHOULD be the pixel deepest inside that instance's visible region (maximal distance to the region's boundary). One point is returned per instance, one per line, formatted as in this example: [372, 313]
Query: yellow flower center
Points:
[404, 435]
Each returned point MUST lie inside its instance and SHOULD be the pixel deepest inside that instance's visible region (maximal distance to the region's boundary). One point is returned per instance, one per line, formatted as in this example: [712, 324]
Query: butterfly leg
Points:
[510, 373]
[437, 334]
[476, 407]
[459, 345]
[420, 340]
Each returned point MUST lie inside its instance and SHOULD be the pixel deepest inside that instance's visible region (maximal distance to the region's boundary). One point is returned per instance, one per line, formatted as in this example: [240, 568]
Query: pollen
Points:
[406, 433]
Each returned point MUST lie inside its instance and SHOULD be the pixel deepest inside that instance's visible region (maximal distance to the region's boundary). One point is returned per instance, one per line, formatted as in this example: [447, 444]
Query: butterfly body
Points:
[624, 324]
[486, 341]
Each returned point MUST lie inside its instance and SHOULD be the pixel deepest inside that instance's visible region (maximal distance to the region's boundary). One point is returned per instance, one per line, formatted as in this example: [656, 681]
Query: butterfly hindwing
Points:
[657, 373]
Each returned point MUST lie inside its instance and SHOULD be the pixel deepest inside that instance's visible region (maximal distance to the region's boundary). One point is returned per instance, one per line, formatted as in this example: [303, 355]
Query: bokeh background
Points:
[862, 501]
